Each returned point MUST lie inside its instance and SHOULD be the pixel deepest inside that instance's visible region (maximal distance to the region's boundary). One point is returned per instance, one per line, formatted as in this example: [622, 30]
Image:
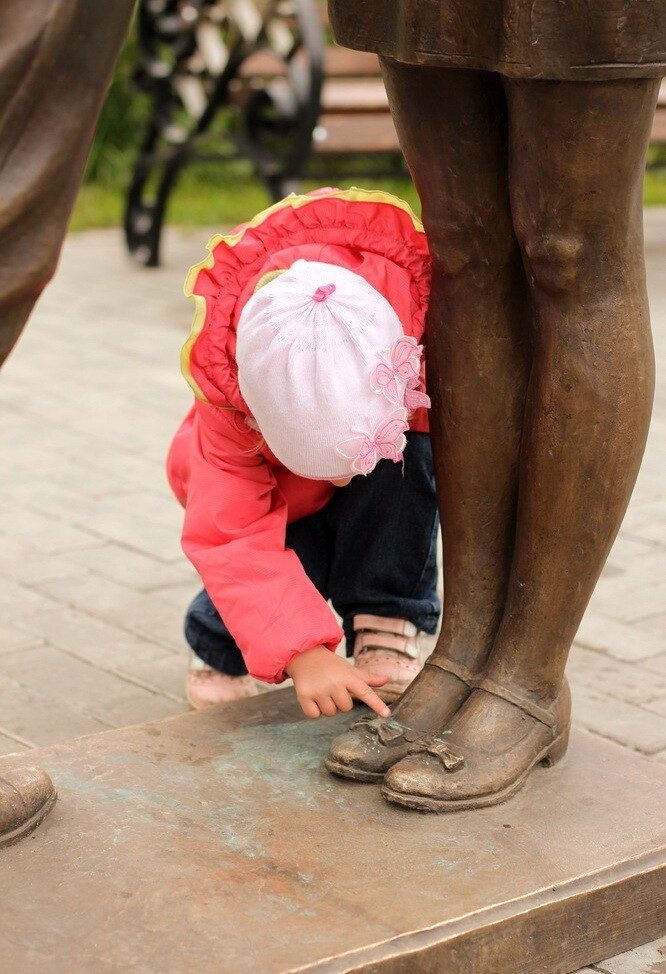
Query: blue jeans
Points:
[372, 549]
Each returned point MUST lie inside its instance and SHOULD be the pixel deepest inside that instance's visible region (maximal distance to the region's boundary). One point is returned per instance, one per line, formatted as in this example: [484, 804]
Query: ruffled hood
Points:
[372, 233]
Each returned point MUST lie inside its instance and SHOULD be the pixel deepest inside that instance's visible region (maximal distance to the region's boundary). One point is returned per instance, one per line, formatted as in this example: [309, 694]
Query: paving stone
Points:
[655, 624]
[28, 564]
[631, 600]
[623, 722]
[642, 515]
[134, 471]
[658, 705]
[627, 550]
[618, 639]
[656, 664]
[143, 613]
[10, 746]
[43, 441]
[13, 638]
[144, 520]
[42, 718]
[626, 681]
[158, 508]
[655, 533]
[642, 573]
[63, 472]
[139, 534]
[178, 596]
[91, 639]
[50, 673]
[18, 601]
[156, 505]
[643, 511]
[650, 959]
[139, 708]
[50, 535]
[134, 569]
[165, 673]
[47, 497]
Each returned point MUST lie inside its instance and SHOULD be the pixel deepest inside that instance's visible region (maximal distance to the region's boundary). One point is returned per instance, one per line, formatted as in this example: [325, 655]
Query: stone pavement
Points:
[93, 581]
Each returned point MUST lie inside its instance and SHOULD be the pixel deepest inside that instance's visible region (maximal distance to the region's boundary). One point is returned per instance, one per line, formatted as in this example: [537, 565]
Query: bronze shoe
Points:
[27, 796]
[495, 740]
[367, 749]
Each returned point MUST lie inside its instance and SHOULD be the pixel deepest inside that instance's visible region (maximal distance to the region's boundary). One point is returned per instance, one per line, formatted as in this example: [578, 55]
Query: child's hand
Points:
[325, 684]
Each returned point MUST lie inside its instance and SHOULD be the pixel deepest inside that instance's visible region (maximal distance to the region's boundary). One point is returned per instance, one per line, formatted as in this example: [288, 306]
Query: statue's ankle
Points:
[536, 689]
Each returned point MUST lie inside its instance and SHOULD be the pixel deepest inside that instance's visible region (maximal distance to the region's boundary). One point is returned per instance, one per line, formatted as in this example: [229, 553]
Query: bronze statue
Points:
[56, 61]
[525, 127]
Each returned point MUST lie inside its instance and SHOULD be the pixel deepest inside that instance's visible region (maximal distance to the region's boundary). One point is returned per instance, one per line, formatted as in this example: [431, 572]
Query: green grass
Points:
[654, 187]
[221, 197]
[206, 201]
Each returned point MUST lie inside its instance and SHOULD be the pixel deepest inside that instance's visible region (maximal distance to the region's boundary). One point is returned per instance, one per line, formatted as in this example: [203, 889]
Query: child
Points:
[305, 363]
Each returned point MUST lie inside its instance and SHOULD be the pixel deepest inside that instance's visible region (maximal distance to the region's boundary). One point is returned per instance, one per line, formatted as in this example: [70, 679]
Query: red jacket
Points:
[237, 497]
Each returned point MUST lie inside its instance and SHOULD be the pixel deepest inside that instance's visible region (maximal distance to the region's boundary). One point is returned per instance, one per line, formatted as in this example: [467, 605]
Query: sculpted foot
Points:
[493, 742]
[371, 746]
[27, 796]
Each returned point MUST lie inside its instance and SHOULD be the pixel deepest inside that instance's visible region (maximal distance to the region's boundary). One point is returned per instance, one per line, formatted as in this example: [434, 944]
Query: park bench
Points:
[353, 118]
[294, 105]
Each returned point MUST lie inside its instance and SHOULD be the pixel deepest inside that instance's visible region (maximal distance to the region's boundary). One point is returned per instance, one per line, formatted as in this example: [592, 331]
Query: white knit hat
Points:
[327, 372]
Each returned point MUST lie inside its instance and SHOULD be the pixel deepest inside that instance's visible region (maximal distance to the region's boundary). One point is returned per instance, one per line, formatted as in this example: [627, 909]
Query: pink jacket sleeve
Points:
[234, 535]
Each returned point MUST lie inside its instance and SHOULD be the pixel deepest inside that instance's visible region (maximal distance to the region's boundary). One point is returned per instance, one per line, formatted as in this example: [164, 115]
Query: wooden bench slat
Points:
[341, 62]
[338, 63]
[355, 133]
[344, 132]
[368, 95]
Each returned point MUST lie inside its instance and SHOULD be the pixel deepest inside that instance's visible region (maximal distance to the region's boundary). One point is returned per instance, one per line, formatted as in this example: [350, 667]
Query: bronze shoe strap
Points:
[533, 709]
[450, 666]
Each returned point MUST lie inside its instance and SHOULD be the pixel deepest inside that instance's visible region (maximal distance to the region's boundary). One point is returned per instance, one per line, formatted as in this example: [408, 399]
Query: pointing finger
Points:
[368, 696]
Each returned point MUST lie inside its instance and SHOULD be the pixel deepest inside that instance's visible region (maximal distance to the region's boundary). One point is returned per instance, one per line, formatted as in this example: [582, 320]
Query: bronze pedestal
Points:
[216, 841]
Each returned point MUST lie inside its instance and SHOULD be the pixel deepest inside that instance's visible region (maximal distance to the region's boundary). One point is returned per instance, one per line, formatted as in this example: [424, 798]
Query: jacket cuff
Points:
[330, 640]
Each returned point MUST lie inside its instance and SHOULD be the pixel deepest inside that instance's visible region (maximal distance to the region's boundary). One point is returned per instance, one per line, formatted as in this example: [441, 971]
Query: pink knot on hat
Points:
[326, 370]
[323, 292]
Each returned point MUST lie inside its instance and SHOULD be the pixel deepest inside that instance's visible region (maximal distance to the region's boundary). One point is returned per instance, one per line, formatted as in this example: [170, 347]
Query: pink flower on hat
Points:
[386, 442]
[415, 395]
[400, 366]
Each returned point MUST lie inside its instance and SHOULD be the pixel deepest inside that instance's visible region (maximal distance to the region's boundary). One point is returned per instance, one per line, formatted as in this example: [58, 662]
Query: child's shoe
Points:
[207, 687]
[389, 648]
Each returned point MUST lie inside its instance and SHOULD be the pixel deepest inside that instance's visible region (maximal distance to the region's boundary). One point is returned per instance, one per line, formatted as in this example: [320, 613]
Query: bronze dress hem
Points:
[559, 40]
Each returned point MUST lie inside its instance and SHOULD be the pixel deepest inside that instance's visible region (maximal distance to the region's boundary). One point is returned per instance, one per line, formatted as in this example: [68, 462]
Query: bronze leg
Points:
[56, 60]
[577, 159]
[453, 130]
[452, 127]
[577, 153]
